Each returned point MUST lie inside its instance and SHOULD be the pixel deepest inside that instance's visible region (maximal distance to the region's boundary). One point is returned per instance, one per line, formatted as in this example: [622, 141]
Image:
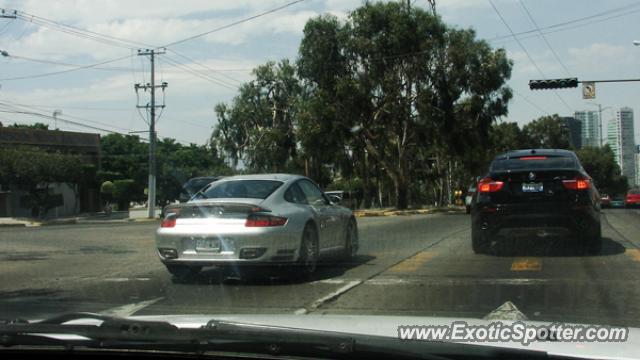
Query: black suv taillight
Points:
[488, 185]
[579, 183]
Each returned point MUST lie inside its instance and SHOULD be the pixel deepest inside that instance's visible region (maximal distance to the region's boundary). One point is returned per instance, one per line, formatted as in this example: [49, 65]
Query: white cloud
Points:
[89, 12]
[601, 58]
[523, 68]
[45, 43]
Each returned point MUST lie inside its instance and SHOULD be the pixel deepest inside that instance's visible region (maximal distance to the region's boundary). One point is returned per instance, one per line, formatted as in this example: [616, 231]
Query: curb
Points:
[54, 223]
[12, 225]
[76, 222]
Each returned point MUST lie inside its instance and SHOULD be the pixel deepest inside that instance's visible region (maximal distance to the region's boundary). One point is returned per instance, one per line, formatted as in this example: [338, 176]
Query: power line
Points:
[569, 22]
[22, 109]
[575, 26]
[545, 38]
[71, 107]
[525, 51]
[50, 62]
[530, 102]
[119, 42]
[204, 66]
[234, 23]
[72, 30]
[65, 71]
[49, 117]
[6, 26]
[199, 74]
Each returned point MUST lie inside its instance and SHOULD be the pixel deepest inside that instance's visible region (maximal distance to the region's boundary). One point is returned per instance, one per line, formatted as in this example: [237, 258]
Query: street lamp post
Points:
[56, 113]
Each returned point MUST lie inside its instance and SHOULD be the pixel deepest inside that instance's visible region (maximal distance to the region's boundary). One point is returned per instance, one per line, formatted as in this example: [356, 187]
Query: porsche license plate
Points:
[208, 245]
[532, 187]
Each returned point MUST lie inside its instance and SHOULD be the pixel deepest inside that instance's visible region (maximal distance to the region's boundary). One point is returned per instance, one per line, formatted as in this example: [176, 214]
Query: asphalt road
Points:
[408, 265]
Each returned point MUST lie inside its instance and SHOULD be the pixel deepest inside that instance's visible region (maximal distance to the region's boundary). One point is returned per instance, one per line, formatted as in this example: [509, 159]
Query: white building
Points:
[637, 165]
[620, 137]
[591, 128]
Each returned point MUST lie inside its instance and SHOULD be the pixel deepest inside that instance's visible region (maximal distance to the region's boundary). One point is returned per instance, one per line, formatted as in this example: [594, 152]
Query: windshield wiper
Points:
[224, 336]
[119, 333]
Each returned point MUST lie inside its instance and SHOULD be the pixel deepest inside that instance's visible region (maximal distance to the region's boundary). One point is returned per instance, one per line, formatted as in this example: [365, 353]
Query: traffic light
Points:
[553, 84]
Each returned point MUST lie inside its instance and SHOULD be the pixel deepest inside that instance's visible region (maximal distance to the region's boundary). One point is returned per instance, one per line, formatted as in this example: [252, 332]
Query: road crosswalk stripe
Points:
[526, 264]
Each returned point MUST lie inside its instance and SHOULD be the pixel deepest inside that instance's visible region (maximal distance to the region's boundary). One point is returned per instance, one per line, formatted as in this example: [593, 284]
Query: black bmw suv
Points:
[536, 192]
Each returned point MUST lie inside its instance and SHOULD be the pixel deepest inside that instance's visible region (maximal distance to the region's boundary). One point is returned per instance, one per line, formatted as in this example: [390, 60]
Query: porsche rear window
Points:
[252, 189]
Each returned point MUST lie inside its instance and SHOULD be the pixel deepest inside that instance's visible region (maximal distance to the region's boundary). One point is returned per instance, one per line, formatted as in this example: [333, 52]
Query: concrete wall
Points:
[70, 203]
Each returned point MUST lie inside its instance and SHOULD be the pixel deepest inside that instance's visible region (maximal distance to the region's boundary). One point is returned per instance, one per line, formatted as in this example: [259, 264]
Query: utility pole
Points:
[151, 188]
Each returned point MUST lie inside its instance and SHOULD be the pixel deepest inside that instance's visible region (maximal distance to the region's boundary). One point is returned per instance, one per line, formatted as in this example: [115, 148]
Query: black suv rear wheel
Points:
[593, 241]
[479, 241]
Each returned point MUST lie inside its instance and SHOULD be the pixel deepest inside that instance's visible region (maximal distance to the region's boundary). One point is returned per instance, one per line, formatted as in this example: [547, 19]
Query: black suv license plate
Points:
[532, 187]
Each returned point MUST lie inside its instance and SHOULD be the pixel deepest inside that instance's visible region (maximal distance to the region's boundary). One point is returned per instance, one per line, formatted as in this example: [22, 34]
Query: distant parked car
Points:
[194, 185]
[617, 202]
[633, 198]
[467, 200]
[605, 201]
[344, 198]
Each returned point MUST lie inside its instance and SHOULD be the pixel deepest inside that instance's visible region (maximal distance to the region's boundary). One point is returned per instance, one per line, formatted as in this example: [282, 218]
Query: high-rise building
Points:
[620, 137]
[590, 121]
[637, 165]
[575, 131]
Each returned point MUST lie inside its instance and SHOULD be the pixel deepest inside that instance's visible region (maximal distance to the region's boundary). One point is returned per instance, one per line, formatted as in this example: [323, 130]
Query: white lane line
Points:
[125, 279]
[129, 309]
[330, 281]
[518, 281]
[316, 304]
[93, 279]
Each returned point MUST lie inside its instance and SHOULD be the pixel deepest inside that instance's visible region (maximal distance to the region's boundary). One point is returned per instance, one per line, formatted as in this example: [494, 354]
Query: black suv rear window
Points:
[534, 162]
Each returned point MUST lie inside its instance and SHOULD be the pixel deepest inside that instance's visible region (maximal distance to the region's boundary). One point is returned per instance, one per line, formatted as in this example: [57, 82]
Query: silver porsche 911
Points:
[271, 219]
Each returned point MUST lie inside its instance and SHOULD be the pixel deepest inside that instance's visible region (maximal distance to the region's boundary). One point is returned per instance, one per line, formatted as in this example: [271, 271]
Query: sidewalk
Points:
[96, 218]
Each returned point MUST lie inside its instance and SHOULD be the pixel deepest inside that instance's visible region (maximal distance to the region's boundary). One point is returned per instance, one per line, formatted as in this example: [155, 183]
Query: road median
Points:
[396, 212]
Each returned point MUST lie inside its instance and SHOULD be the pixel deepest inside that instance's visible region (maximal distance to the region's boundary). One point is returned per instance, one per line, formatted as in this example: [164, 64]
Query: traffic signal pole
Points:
[568, 83]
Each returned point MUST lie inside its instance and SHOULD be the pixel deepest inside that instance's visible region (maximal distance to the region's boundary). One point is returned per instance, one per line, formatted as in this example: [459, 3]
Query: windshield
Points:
[254, 189]
[398, 161]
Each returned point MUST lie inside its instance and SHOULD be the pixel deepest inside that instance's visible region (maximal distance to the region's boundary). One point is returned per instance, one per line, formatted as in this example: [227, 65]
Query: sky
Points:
[587, 39]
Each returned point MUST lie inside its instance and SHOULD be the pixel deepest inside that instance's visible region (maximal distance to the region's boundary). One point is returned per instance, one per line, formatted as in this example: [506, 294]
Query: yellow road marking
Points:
[413, 263]
[634, 254]
[526, 264]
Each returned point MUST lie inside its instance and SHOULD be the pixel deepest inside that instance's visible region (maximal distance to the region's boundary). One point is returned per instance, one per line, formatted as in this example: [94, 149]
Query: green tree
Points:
[177, 163]
[259, 126]
[407, 86]
[35, 170]
[36, 126]
[125, 157]
[124, 191]
[547, 132]
[600, 164]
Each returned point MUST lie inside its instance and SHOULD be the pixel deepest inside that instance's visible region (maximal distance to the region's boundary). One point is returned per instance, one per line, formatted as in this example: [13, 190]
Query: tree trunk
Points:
[402, 193]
